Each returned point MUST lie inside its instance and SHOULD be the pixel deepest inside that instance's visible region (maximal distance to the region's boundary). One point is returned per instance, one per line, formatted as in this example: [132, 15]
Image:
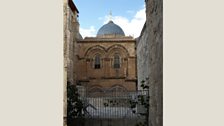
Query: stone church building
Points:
[112, 62]
[107, 62]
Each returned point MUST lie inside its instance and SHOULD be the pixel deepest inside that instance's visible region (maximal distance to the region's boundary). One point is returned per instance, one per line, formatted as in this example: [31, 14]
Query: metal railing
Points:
[112, 105]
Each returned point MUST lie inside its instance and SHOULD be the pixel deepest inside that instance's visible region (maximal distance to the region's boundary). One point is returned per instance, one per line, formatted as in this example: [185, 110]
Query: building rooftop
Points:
[110, 29]
[72, 6]
[108, 39]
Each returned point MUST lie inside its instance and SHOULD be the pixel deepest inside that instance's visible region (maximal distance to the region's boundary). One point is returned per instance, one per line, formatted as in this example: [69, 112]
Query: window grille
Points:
[97, 62]
[116, 61]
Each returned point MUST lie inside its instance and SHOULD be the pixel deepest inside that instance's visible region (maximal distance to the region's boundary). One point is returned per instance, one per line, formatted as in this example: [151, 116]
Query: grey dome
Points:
[110, 28]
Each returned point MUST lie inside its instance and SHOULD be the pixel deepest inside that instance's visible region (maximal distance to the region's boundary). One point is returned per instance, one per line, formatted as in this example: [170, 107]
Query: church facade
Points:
[107, 62]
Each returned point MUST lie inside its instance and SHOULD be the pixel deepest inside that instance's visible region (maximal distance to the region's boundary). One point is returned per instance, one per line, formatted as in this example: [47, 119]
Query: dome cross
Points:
[110, 16]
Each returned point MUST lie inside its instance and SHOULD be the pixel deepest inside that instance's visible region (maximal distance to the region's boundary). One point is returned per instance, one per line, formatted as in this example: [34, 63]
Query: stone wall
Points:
[150, 59]
[142, 56]
[71, 31]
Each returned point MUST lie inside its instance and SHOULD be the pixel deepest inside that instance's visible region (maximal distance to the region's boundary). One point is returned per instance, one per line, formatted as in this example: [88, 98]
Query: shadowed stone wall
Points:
[150, 59]
[71, 31]
[143, 56]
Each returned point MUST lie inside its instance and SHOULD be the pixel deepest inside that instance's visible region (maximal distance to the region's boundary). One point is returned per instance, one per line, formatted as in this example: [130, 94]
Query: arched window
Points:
[117, 88]
[116, 61]
[97, 62]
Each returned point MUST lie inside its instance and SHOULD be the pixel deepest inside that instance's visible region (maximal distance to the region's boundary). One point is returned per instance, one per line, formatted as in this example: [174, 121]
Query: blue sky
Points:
[128, 14]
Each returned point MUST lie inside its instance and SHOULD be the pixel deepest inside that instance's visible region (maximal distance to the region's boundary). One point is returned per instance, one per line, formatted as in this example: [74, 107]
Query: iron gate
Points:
[114, 108]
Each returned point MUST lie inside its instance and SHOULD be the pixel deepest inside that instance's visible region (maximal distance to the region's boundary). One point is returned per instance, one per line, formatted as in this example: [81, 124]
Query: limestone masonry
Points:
[150, 59]
[71, 31]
